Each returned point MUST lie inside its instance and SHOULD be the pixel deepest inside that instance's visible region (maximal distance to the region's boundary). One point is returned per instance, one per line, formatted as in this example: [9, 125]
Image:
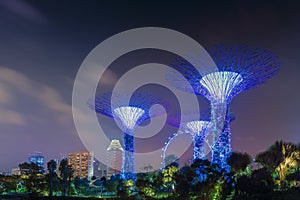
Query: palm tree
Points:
[51, 166]
[239, 161]
[271, 158]
[280, 159]
[70, 173]
[291, 160]
[66, 172]
[63, 173]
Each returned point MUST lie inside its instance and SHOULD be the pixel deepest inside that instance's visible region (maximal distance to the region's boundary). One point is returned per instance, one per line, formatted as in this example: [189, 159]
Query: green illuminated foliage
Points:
[169, 176]
[280, 159]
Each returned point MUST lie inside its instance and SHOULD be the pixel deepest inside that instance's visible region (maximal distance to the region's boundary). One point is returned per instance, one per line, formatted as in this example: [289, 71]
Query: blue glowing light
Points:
[240, 68]
[221, 85]
[198, 131]
[128, 116]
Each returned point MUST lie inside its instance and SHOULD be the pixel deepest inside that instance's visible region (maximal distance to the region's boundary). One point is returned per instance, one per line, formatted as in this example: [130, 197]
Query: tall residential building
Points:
[38, 159]
[82, 163]
[114, 158]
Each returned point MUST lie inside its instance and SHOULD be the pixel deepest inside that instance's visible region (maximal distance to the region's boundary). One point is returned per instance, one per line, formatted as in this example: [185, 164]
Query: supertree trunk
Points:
[218, 119]
[223, 147]
[199, 149]
[225, 144]
[128, 164]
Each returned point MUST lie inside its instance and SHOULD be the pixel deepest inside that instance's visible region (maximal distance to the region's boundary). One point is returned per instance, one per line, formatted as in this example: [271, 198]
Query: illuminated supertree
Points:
[240, 68]
[129, 115]
[196, 128]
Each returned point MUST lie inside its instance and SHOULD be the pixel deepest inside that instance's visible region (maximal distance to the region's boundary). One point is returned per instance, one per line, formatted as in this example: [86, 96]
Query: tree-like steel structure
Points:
[129, 115]
[198, 131]
[240, 68]
[196, 128]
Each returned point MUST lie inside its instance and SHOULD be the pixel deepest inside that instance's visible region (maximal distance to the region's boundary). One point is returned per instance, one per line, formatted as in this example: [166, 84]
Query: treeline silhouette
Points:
[272, 174]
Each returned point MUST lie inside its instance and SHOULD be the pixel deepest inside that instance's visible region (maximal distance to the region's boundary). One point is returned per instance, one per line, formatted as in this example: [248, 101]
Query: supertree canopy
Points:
[249, 67]
[129, 115]
[254, 65]
[220, 85]
[240, 68]
[105, 104]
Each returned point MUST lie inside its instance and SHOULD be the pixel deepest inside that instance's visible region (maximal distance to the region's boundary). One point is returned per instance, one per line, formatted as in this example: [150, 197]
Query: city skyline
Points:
[43, 47]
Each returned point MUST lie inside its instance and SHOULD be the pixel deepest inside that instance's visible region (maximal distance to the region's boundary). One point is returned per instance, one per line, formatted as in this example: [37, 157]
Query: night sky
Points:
[43, 43]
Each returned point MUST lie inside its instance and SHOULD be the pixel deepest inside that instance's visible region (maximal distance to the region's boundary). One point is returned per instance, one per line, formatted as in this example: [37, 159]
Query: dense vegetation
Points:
[274, 174]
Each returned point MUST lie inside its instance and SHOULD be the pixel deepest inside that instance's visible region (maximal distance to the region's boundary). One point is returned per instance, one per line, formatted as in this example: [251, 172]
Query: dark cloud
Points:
[21, 10]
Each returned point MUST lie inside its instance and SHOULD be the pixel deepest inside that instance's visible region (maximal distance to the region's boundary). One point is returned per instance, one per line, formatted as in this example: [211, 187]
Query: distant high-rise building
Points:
[82, 163]
[15, 171]
[38, 159]
[114, 158]
[100, 169]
